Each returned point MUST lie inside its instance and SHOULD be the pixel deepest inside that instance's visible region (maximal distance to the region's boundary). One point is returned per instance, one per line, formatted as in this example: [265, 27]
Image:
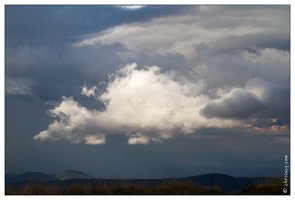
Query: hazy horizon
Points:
[147, 91]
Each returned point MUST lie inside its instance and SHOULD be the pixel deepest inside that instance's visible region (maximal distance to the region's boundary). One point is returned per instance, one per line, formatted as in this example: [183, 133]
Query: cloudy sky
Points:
[147, 91]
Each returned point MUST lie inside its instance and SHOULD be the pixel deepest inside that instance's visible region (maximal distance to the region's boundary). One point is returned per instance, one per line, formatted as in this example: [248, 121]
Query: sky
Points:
[147, 91]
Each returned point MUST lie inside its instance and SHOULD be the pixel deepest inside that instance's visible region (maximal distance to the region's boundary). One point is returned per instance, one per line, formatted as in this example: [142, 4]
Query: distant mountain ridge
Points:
[226, 182]
[11, 178]
[71, 177]
[71, 174]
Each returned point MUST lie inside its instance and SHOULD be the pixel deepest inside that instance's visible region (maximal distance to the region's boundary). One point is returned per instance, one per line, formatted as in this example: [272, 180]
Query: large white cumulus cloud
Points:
[148, 105]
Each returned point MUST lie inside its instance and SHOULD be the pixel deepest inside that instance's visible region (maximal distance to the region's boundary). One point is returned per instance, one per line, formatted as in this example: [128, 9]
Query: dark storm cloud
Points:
[39, 25]
[283, 121]
[240, 105]
[278, 100]
[61, 70]
[262, 123]
[259, 99]
[275, 97]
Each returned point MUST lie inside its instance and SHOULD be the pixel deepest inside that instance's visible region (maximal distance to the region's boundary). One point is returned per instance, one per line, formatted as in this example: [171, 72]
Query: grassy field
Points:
[168, 188]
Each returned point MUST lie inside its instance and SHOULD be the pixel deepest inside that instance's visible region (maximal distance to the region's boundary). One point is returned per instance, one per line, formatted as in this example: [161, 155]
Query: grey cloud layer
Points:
[224, 31]
[42, 25]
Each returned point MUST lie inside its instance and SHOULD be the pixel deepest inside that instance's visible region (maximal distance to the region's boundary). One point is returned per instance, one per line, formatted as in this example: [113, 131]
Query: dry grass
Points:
[124, 188]
[273, 187]
[171, 187]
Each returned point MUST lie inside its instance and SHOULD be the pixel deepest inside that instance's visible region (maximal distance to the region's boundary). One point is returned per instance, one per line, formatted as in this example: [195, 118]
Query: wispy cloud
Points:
[22, 86]
[132, 7]
[88, 92]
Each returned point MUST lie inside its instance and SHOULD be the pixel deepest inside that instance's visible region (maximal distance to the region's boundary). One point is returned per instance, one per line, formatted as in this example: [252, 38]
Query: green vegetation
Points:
[171, 187]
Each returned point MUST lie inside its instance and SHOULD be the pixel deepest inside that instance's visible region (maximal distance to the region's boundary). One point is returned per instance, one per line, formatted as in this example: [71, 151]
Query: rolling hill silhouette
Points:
[70, 178]
[11, 179]
[71, 174]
